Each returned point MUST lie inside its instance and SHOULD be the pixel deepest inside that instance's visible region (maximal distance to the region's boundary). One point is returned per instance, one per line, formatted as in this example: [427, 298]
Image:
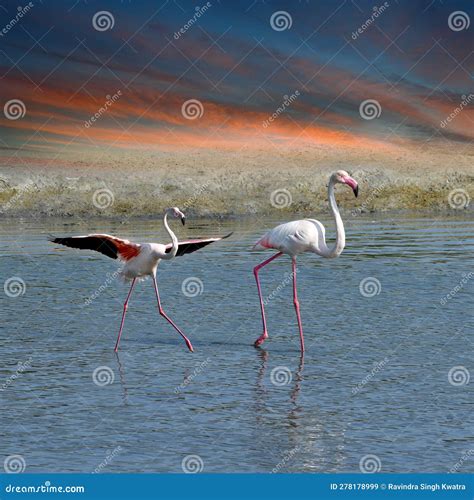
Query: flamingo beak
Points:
[353, 184]
[183, 220]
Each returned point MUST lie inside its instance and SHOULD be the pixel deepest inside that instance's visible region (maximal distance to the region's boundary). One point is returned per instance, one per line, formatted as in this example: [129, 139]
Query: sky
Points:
[153, 75]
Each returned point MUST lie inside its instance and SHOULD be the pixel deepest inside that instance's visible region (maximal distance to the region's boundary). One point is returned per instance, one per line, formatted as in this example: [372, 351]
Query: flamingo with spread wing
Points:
[140, 259]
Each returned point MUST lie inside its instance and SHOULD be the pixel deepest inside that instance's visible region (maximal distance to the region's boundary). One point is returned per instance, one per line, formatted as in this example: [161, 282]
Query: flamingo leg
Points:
[264, 335]
[297, 304]
[162, 313]
[125, 307]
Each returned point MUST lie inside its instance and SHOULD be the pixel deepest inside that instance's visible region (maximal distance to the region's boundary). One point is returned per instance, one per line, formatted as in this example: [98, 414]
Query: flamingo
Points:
[140, 259]
[308, 235]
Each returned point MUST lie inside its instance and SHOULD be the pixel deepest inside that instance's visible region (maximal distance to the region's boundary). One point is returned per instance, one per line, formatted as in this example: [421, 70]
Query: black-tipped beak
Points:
[183, 220]
[356, 191]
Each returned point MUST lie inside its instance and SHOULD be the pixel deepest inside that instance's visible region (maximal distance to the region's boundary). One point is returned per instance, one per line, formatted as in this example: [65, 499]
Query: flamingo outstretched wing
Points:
[190, 246]
[113, 247]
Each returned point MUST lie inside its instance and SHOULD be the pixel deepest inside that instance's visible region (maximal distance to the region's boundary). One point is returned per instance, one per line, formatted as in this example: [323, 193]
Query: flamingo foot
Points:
[261, 339]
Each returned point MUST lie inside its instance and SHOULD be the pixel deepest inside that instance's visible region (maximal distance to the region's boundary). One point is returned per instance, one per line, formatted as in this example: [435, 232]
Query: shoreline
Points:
[236, 183]
[57, 199]
[347, 215]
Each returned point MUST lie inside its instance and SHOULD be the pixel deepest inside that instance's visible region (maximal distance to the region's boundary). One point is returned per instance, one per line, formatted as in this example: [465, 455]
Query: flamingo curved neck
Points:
[340, 242]
[174, 240]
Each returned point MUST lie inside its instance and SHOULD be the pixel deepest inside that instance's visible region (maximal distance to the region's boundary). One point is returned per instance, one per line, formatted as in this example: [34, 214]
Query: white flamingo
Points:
[141, 259]
[301, 236]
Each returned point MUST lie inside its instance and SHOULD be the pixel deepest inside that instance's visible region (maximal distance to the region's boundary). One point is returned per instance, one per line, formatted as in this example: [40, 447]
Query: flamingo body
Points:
[294, 238]
[145, 263]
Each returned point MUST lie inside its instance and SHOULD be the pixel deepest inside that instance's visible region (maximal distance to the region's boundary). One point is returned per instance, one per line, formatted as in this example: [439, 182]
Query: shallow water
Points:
[374, 379]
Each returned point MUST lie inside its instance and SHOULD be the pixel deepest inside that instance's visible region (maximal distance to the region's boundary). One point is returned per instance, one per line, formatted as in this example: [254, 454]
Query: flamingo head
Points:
[176, 212]
[342, 177]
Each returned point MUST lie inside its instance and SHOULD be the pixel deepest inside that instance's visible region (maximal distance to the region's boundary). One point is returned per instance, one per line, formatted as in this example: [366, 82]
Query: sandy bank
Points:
[234, 182]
